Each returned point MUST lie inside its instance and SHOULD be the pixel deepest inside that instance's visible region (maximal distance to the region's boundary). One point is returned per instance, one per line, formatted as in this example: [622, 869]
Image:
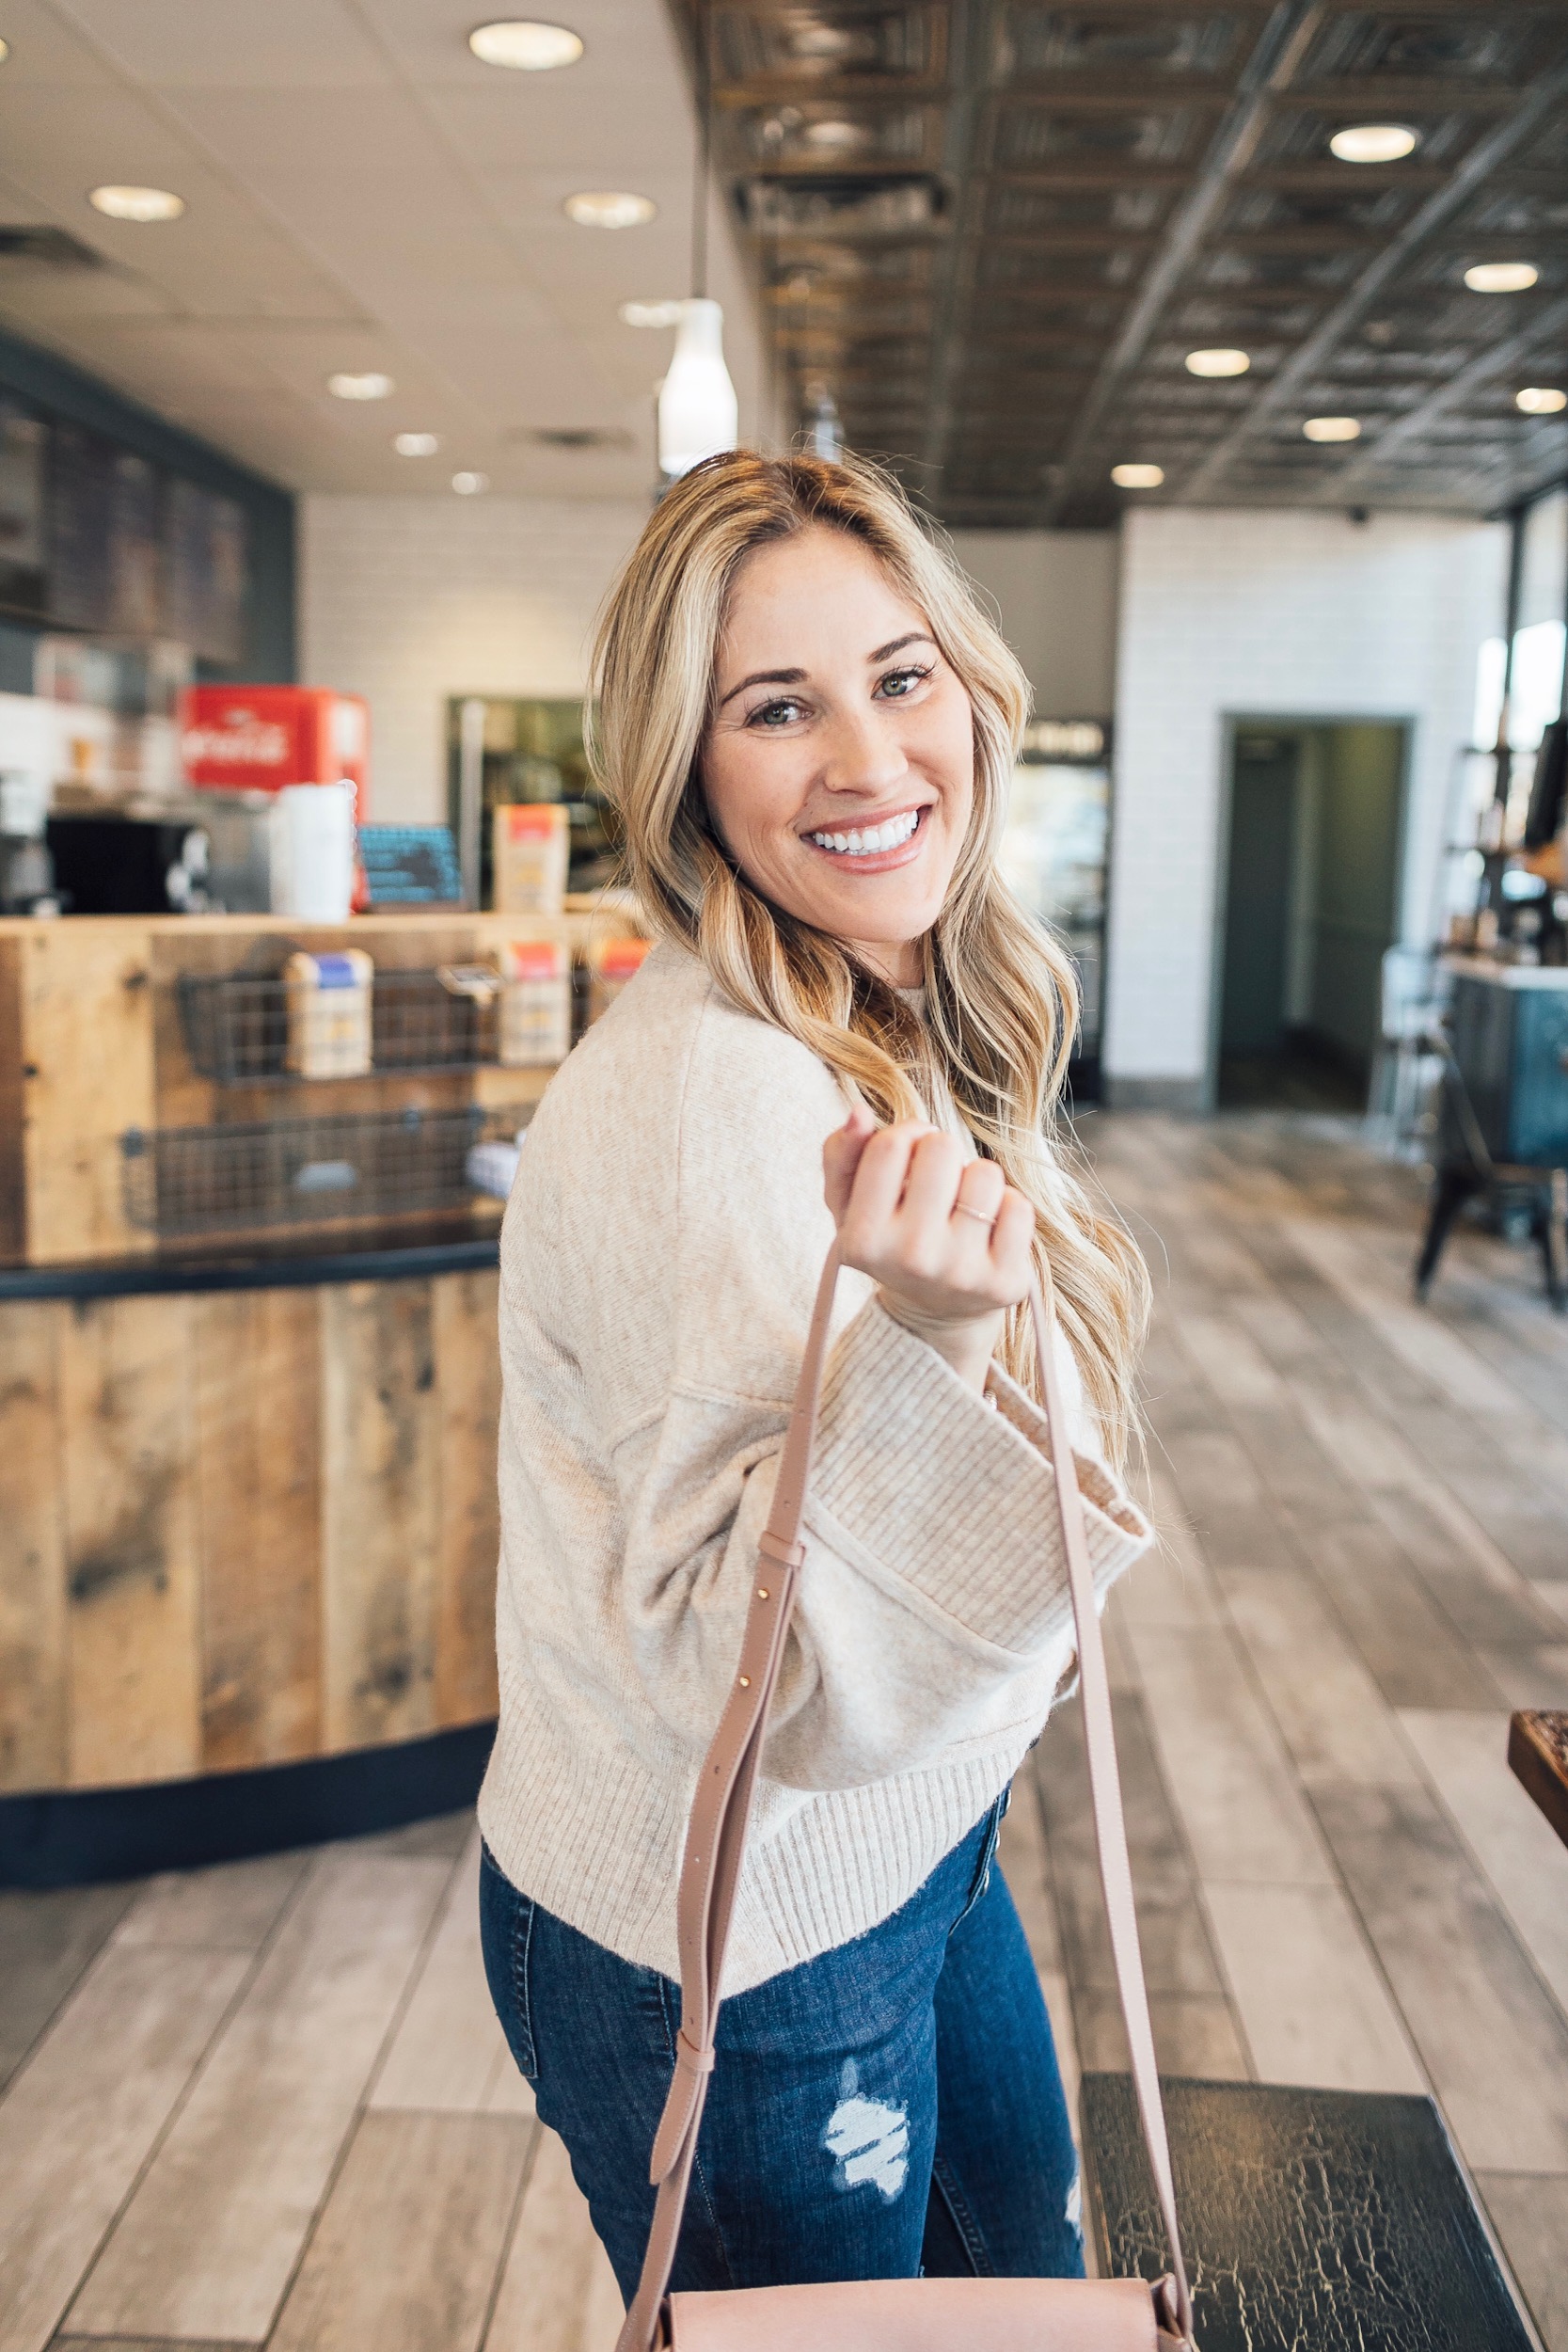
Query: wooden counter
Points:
[248, 1489]
[245, 1526]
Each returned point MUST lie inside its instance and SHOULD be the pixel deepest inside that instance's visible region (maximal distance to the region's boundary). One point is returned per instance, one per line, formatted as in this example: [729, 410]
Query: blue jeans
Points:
[890, 2107]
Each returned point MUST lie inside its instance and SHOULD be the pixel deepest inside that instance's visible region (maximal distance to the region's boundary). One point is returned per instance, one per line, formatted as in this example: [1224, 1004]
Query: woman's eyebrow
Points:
[914, 637]
[765, 677]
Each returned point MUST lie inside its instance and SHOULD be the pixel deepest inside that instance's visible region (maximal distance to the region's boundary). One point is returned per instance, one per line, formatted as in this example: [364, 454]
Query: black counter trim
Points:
[144, 1278]
[81, 1837]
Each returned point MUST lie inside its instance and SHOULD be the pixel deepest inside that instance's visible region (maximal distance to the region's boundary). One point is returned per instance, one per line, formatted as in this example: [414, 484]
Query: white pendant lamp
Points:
[698, 412]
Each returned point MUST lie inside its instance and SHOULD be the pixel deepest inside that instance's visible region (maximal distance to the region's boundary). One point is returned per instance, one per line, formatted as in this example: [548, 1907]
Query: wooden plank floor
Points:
[269, 2104]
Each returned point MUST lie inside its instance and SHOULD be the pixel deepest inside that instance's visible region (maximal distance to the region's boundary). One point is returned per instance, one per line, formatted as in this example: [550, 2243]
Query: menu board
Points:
[97, 540]
[22, 511]
[205, 554]
[81, 513]
[136, 555]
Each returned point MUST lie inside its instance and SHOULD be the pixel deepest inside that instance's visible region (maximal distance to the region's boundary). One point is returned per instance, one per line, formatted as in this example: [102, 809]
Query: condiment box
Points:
[529, 844]
[329, 1014]
[534, 1023]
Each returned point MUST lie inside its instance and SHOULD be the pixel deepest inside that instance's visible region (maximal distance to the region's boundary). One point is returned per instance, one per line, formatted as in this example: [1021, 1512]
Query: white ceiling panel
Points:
[360, 193]
[45, 47]
[234, 45]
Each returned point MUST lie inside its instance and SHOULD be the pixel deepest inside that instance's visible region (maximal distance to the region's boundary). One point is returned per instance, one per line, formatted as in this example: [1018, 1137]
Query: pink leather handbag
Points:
[899, 2314]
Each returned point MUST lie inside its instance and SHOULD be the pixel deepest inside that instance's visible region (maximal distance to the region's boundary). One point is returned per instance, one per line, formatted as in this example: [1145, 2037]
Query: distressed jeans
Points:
[890, 2107]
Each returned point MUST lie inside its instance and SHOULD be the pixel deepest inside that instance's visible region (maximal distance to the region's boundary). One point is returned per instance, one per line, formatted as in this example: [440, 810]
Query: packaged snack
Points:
[528, 842]
[610, 964]
[329, 999]
[534, 1023]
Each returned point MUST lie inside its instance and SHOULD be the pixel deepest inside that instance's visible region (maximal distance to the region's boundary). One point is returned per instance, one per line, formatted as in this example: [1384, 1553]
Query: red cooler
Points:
[257, 739]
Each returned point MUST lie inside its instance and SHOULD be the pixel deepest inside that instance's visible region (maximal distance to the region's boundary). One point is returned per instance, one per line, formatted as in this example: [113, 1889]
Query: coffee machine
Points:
[27, 866]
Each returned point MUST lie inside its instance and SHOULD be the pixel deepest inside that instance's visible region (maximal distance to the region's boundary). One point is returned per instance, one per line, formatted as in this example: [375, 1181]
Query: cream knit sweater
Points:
[662, 1243]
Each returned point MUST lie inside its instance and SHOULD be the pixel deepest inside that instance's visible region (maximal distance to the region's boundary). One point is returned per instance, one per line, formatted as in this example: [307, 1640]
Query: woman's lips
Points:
[903, 847]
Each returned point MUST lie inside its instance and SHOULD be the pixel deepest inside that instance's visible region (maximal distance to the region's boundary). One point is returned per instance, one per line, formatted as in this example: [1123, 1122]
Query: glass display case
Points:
[505, 749]
[1054, 855]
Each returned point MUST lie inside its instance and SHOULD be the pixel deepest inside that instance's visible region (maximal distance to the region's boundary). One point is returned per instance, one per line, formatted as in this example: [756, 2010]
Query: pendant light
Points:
[698, 412]
[825, 432]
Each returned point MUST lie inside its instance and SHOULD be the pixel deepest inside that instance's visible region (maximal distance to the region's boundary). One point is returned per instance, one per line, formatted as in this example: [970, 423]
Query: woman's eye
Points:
[775, 714]
[899, 683]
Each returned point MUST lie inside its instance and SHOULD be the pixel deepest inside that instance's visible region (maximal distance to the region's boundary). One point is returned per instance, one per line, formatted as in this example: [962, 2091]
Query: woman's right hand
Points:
[947, 1239]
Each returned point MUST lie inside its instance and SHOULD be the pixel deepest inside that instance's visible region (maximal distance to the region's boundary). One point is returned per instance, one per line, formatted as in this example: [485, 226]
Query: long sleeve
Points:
[933, 1606]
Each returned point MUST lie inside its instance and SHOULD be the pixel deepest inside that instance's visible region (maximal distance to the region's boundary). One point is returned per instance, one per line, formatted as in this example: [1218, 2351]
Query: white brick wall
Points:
[1268, 614]
[407, 600]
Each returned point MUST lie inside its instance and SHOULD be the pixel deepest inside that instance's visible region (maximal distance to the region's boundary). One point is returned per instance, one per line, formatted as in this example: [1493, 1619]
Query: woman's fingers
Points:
[841, 1158]
[980, 1190]
[930, 1188]
[879, 1185]
[948, 1236]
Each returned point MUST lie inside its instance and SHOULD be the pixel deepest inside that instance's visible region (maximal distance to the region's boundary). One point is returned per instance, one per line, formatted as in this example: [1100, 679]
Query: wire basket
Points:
[236, 1028]
[185, 1181]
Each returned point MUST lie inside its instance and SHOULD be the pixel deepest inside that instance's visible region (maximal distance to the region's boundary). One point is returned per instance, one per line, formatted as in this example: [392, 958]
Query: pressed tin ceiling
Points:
[992, 231]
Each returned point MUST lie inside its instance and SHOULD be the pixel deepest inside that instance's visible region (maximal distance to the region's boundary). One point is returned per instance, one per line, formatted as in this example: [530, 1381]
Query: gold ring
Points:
[961, 1208]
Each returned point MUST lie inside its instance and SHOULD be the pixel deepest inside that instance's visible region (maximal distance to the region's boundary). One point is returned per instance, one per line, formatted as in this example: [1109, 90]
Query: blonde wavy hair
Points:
[1001, 999]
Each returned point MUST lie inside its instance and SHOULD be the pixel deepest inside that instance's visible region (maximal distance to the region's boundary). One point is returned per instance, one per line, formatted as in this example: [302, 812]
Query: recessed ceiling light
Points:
[524, 46]
[1540, 400]
[607, 208]
[1137, 477]
[370, 386]
[1332, 428]
[416, 444]
[1217, 362]
[123, 203]
[650, 313]
[468, 485]
[1372, 143]
[1501, 277]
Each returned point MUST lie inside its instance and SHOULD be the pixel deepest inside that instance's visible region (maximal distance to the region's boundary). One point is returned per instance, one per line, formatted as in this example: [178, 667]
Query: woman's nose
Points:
[862, 754]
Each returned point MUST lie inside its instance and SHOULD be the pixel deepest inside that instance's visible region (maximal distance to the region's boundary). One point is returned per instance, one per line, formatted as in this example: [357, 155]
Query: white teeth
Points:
[868, 841]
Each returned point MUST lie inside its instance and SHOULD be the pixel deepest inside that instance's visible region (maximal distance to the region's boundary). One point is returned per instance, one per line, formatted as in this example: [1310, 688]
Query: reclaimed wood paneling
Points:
[381, 1454]
[468, 1361]
[258, 1385]
[128, 1455]
[33, 1731]
[245, 1527]
[87, 1077]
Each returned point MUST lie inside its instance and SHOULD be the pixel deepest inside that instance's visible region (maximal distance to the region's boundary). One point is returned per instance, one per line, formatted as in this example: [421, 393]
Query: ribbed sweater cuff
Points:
[956, 1500]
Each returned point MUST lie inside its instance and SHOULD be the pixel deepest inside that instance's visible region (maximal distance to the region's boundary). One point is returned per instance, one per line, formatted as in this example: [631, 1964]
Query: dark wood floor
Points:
[270, 2105]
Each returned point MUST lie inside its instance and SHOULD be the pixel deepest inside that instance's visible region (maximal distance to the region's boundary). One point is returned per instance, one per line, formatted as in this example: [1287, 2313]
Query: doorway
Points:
[1312, 848]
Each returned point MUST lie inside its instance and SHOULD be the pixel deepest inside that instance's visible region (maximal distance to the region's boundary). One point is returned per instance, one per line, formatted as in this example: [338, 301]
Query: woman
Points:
[808, 726]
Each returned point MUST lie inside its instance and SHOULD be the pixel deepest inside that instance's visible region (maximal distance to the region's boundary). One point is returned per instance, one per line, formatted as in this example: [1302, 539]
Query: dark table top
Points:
[1312, 2220]
[1538, 1756]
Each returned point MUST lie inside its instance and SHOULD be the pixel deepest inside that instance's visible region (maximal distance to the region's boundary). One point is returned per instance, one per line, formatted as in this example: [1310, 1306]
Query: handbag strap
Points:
[720, 1811]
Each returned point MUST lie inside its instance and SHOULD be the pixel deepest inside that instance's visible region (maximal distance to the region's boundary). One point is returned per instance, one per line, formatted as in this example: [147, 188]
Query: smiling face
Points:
[839, 764]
